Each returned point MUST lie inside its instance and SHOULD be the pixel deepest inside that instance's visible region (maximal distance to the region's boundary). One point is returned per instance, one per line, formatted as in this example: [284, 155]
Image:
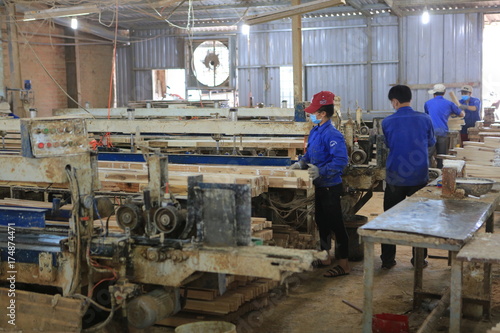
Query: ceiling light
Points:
[245, 29]
[60, 12]
[74, 23]
[425, 16]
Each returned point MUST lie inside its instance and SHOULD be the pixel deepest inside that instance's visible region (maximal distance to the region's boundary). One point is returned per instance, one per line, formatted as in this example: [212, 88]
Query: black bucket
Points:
[352, 223]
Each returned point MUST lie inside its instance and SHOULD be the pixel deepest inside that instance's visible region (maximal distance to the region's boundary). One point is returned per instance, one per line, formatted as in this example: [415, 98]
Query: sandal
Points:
[335, 272]
[318, 263]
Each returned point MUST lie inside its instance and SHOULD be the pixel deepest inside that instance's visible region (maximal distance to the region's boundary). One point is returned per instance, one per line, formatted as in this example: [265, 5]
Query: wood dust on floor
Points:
[314, 303]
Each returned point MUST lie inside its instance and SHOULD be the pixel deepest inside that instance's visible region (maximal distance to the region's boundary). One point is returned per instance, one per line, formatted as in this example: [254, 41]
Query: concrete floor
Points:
[314, 303]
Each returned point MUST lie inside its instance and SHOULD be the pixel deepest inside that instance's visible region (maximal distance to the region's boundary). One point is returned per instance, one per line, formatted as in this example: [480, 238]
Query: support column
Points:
[297, 55]
[369, 34]
[15, 81]
[72, 68]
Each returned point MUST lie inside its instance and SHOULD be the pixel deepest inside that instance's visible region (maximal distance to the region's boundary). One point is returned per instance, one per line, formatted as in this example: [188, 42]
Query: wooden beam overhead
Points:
[394, 8]
[293, 10]
[358, 7]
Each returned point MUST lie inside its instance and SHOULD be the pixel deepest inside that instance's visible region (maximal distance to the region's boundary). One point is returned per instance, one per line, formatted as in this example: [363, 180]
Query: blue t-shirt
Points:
[471, 116]
[440, 110]
[408, 134]
[327, 150]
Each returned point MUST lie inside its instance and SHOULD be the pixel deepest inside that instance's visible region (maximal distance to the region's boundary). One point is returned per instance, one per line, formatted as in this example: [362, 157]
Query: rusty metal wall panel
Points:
[446, 50]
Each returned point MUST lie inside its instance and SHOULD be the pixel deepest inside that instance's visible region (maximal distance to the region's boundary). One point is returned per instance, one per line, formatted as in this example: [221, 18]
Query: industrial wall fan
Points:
[210, 65]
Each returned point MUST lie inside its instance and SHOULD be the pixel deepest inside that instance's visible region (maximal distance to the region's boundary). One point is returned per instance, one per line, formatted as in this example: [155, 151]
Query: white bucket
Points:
[207, 327]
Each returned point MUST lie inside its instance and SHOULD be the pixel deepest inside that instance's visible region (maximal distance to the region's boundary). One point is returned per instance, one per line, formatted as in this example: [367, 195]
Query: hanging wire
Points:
[41, 63]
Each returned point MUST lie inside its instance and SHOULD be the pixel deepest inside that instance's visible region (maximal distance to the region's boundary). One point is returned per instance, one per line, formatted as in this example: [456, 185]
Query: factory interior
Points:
[153, 166]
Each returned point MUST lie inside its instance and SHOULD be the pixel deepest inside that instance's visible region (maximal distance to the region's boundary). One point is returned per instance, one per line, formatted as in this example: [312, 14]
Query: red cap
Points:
[320, 99]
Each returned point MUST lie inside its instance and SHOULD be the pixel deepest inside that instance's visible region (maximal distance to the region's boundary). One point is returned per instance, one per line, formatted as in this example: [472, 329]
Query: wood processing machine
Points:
[52, 276]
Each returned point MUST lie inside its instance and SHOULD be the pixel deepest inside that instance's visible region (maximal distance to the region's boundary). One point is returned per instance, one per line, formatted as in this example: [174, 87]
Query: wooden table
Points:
[483, 248]
[426, 220]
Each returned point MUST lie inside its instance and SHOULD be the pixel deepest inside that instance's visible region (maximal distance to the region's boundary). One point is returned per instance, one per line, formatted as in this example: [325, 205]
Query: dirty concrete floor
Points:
[314, 303]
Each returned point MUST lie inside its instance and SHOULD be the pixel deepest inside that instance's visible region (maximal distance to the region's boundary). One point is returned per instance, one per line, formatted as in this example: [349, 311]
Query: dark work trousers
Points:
[329, 219]
[392, 196]
[440, 148]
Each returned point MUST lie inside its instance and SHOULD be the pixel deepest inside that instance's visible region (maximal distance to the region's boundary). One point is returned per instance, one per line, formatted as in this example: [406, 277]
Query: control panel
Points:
[54, 137]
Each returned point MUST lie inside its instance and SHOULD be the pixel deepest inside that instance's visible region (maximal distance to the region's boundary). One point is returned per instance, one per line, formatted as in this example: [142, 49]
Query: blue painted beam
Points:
[201, 159]
[29, 246]
[22, 217]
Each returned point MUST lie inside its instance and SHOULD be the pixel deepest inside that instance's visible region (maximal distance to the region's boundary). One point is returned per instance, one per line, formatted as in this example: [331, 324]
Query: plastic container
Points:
[207, 327]
[389, 323]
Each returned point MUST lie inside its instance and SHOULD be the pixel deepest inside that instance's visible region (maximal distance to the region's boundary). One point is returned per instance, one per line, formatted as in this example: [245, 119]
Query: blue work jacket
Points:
[440, 110]
[471, 116]
[408, 134]
[326, 149]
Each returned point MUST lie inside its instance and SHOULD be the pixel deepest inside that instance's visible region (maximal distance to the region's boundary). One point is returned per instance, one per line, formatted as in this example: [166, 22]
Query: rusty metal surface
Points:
[452, 219]
[258, 261]
[199, 126]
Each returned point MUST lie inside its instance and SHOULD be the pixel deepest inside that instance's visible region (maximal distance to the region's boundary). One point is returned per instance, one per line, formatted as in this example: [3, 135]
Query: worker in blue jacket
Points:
[440, 110]
[326, 158]
[472, 107]
[408, 135]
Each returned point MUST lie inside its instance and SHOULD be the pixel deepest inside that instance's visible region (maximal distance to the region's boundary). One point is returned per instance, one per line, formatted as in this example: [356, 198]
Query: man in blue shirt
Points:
[326, 157]
[472, 108]
[440, 110]
[408, 134]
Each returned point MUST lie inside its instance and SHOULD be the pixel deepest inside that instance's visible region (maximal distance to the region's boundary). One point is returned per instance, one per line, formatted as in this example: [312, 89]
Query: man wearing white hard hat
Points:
[472, 107]
[440, 110]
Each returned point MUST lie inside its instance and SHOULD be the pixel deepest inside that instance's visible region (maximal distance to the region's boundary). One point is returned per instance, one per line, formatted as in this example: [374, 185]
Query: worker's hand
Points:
[313, 171]
[462, 107]
[300, 165]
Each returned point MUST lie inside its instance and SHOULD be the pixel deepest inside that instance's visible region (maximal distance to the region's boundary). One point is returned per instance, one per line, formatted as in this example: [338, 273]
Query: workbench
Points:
[426, 220]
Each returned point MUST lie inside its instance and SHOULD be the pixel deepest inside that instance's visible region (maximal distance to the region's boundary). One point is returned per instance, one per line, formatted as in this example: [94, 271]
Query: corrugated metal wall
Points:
[447, 50]
[124, 74]
[150, 49]
[338, 55]
[335, 55]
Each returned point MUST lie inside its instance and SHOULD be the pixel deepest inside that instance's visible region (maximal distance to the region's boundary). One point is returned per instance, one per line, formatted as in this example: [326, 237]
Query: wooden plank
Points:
[199, 293]
[41, 312]
[482, 248]
[293, 10]
[266, 234]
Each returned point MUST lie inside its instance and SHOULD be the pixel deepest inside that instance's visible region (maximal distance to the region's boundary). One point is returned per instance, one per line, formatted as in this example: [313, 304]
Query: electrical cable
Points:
[75, 214]
[41, 63]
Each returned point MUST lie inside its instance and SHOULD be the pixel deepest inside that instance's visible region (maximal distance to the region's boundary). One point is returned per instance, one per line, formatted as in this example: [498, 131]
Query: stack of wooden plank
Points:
[262, 228]
[10, 141]
[286, 236]
[479, 132]
[479, 158]
[132, 177]
[207, 304]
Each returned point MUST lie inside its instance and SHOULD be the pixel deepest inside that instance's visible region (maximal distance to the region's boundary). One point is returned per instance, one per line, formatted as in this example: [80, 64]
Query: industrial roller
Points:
[130, 216]
[169, 219]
